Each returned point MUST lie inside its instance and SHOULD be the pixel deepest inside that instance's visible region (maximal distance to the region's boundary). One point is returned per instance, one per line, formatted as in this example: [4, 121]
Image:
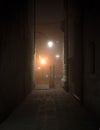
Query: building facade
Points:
[82, 53]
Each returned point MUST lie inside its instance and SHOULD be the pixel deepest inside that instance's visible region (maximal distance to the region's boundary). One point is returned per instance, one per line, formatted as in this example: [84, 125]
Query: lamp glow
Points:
[57, 56]
[43, 61]
[50, 44]
[39, 68]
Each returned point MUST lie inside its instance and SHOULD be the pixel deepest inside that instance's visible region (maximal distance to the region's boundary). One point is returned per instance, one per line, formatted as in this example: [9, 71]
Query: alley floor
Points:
[51, 109]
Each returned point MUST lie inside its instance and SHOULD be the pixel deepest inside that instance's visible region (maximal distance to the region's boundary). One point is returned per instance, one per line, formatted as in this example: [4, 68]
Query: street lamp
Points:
[54, 58]
[50, 44]
[43, 61]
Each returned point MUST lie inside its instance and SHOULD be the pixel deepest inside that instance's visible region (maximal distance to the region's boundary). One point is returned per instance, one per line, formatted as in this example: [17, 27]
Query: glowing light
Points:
[38, 68]
[43, 61]
[50, 44]
[57, 56]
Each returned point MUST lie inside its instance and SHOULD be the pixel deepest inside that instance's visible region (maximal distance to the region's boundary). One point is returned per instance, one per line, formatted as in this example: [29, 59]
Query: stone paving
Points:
[51, 109]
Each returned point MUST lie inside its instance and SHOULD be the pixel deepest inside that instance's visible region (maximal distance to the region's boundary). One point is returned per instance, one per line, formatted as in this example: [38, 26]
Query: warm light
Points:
[43, 61]
[50, 44]
[57, 56]
[39, 68]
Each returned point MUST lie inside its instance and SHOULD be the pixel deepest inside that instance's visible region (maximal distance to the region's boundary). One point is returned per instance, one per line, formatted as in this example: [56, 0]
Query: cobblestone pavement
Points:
[51, 109]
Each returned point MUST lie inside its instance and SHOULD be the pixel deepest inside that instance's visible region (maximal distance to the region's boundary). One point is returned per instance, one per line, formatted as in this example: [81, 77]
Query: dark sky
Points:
[49, 14]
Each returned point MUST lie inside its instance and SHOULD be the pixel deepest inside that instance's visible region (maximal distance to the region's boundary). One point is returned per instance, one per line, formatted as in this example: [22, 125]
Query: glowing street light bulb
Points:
[50, 44]
[43, 61]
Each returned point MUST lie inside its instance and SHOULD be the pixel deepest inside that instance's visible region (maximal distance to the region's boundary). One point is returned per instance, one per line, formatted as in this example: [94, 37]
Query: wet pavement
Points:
[50, 109]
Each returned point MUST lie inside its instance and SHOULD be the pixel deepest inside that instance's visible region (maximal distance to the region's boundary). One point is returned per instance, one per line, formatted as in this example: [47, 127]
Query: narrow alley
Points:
[51, 109]
[49, 65]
